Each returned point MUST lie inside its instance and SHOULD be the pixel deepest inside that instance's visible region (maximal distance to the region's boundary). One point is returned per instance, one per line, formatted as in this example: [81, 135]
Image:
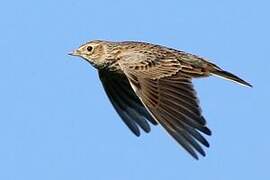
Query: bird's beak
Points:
[74, 53]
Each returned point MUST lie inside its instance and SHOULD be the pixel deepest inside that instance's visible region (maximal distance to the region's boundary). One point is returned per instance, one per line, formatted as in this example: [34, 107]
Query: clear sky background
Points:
[57, 123]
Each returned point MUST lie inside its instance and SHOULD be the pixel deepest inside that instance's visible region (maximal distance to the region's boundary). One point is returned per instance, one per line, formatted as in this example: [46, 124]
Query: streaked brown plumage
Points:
[147, 82]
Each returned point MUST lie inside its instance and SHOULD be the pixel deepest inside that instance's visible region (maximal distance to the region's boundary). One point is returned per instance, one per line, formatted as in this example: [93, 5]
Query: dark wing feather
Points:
[125, 101]
[172, 101]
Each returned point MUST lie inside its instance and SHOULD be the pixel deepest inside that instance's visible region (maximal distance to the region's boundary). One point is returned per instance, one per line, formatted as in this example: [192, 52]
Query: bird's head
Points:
[96, 52]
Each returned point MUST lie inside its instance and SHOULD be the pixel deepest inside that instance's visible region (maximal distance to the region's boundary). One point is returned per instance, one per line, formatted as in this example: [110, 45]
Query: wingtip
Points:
[136, 133]
[195, 156]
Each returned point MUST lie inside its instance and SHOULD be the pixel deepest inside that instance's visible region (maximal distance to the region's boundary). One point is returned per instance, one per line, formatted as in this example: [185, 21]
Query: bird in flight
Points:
[152, 83]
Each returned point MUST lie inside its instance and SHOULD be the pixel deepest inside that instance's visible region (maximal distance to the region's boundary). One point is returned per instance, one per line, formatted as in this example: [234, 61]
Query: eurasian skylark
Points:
[147, 82]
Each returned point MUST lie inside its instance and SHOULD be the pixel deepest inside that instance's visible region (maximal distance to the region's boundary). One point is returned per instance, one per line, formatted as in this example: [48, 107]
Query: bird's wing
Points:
[165, 88]
[125, 101]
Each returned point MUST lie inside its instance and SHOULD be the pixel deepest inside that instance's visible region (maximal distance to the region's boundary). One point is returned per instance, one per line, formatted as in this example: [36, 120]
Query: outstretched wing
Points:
[164, 86]
[125, 101]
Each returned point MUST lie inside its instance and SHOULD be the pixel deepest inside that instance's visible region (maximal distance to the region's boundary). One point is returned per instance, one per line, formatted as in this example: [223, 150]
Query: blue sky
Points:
[57, 123]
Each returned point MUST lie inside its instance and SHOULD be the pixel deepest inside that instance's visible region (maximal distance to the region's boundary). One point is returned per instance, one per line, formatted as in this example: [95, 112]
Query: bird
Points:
[149, 83]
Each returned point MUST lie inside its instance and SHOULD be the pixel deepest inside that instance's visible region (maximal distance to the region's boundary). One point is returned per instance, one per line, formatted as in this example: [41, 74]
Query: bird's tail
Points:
[216, 71]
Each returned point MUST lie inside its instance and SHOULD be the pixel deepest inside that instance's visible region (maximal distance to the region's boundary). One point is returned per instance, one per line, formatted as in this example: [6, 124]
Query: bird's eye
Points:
[89, 48]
